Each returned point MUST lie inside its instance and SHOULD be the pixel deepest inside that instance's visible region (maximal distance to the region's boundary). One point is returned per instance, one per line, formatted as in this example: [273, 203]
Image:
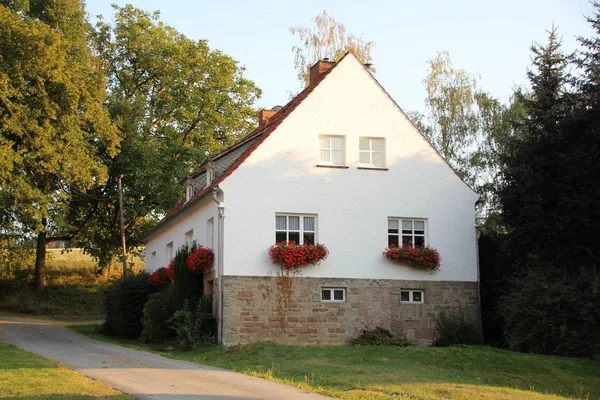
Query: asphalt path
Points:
[140, 374]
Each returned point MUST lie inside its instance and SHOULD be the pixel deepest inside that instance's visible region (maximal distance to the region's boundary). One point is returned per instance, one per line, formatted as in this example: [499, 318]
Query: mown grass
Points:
[74, 288]
[369, 373]
[24, 375]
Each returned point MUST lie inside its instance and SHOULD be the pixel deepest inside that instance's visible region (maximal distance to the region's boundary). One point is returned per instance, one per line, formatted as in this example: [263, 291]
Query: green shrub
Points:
[124, 305]
[554, 309]
[188, 286]
[195, 327]
[378, 337]
[453, 328]
[159, 309]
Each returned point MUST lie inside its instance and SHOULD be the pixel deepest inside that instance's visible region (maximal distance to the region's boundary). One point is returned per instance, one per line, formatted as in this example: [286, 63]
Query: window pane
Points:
[336, 156]
[324, 142]
[405, 296]
[363, 144]
[325, 155]
[336, 143]
[326, 295]
[280, 223]
[309, 224]
[419, 241]
[294, 237]
[419, 225]
[280, 236]
[407, 240]
[338, 294]
[294, 223]
[392, 226]
[309, 238]
[407, 225]
[377, 144]
[364, 158]
[392, 239]
[377, 158]
[417, 296]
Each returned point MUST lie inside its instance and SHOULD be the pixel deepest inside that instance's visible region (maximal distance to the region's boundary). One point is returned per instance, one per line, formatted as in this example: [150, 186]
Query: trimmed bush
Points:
[159, 309]
[379, 337]
[453, 329]
[189, 287]
[124, 304]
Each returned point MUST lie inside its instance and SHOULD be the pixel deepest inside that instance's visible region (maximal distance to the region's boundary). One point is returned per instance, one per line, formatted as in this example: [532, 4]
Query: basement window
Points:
[412, 296]
[336, 295]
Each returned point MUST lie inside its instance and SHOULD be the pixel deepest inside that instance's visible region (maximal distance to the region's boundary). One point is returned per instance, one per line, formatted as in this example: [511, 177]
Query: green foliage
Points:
[453, 328]
[378, 337]
[159, 309]
[195, 327]
[124, 305]
[554, 310]
[189, 287]
[175, 101]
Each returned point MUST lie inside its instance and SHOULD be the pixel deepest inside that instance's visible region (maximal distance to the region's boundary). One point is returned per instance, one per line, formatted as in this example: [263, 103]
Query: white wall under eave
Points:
[352, 205]
[195, 218]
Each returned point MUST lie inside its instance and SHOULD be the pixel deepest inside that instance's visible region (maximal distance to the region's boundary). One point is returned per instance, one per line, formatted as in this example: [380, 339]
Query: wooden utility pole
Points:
[124, 256]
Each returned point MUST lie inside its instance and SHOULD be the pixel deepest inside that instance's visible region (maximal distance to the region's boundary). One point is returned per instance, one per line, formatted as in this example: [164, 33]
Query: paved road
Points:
[141, 374]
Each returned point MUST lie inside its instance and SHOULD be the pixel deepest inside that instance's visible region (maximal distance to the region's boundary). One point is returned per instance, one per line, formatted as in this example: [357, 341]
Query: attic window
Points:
[189, 191]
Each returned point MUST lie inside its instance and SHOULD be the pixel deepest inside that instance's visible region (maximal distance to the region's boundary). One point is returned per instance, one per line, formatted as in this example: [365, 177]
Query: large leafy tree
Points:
[53, 123]
[175, 101]
[326, 39]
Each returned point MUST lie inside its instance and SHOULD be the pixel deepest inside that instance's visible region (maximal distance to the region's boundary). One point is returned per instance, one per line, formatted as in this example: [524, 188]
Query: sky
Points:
[489, 38]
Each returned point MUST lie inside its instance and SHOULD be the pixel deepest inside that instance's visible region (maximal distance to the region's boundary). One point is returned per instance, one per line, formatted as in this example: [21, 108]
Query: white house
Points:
[340, 164]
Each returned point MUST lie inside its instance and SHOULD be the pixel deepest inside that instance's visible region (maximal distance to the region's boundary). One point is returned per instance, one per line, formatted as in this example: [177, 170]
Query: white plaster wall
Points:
[195, 218]
[352, 205]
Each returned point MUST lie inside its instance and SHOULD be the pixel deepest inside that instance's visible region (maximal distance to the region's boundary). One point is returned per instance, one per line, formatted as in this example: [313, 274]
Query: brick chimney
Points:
[263, 117]
[319, 69]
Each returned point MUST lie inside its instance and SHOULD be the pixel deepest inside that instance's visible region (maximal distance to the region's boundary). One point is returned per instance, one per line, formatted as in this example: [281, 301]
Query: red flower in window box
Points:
[291, 256]
[200, 259]
[422, 257]
[162, 277]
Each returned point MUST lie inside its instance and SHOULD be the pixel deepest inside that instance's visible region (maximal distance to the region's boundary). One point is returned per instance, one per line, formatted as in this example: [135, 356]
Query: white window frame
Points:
[332, 291]
[189, 192]
[330, 150]
[400, 234]
[169, 252]
[411, 293]
[210, 233]
[301, 230]
[370, 164]
[189, 237]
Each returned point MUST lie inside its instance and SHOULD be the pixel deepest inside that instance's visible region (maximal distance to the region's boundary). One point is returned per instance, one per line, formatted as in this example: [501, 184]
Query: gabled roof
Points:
[259, 135]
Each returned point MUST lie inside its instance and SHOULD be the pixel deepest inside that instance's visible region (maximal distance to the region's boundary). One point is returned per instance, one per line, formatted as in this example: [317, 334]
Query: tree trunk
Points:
[40, 260]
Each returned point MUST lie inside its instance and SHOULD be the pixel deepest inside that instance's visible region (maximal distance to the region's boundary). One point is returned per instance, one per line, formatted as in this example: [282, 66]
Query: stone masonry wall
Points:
[255, 310]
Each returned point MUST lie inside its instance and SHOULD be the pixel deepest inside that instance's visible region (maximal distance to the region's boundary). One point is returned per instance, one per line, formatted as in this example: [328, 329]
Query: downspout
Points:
[220, 247]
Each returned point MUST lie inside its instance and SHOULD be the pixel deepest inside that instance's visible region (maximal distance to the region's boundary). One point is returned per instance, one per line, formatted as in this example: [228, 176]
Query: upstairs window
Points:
[331, 150]
[189, 191]
[402, 232]
[169, 252]
[189, 237]
[298, 228]
[371, 152]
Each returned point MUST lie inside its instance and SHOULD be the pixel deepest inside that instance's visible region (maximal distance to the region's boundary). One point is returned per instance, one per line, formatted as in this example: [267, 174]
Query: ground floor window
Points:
[412, 296]
[297, 228]
[406, 232]
[333, 294]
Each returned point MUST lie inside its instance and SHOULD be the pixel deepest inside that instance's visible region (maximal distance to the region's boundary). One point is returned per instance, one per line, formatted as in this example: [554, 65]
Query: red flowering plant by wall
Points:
[291, 256]
[200, 260]
[162, 277]
[421, 257]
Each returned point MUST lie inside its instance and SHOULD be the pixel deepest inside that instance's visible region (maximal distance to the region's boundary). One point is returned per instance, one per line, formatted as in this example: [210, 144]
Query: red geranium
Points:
[200, 259]
[162, 277]
[423, 257]
[291, 256]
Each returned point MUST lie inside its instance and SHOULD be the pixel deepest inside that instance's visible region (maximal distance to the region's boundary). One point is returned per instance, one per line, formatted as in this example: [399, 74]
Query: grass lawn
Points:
[74, 292]
[24, 375]
[366, 372]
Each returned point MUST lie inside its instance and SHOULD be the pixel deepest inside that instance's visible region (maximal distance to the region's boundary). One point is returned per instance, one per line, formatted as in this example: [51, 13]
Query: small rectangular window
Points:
[153, 255]
[407, 232]
[412, 296]
[189, 237]
[296, 228]
[371, 152]
[169, 252]
[331, 150]
[333, 295]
